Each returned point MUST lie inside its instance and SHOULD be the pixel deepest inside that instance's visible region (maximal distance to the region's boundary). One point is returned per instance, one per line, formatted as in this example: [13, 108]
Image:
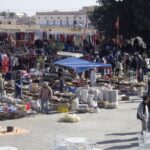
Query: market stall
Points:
[80, 65]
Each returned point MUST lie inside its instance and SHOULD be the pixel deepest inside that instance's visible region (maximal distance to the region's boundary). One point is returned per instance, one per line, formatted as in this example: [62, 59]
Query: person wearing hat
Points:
[45, 94]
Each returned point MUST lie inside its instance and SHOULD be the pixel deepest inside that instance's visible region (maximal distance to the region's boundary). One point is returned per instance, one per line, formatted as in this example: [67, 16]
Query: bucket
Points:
[28, 106]
[84, 95]
[114, 96]
[101, 96]
[10, 128]
[90, 98]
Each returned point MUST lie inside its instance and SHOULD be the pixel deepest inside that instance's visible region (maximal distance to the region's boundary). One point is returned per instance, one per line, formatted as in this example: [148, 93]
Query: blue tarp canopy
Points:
[80, 65]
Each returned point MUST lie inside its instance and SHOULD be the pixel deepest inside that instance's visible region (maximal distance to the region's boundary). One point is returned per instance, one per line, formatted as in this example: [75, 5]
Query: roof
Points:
[62, 53]
[61, 13]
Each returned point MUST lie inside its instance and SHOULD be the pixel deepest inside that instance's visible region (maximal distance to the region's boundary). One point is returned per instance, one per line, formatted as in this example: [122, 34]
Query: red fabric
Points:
[117, 23]
[5, 65]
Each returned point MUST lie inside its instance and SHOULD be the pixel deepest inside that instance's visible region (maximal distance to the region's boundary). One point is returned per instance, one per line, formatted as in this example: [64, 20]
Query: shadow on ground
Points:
[118, 143]
[122, 134]
[122, 147]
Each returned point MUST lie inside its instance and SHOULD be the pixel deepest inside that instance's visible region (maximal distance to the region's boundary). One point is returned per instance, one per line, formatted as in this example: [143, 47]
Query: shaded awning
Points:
[80, 65]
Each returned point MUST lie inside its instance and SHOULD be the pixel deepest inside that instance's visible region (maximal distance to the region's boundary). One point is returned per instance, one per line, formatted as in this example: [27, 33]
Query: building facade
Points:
[65, 18]
[12, 18]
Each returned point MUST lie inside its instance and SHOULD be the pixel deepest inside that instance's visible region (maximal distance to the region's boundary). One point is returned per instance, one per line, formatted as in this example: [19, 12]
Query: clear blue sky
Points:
[31, 6]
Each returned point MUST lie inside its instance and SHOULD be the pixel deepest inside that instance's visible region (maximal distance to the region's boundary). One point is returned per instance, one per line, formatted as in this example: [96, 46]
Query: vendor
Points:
[34, 79]
[18, 87]
[8, 77]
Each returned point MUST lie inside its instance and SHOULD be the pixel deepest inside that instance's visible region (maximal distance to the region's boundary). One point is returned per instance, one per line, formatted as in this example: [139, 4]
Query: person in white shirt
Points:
[93, 77]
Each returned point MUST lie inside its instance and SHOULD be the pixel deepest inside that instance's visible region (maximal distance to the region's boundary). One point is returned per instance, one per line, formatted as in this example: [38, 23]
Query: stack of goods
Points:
[35, 72]
[11, 108]
[8, 111]
[74, 104]
[102, 96]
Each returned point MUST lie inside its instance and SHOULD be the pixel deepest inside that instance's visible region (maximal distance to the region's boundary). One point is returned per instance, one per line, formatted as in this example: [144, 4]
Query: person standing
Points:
[44, 95]
[93, 77]
[1, 86]
[140, 75]
[9, 77]
[18, 87]
[149, 116]
[62, 84]
[142, 113]
[148, 85]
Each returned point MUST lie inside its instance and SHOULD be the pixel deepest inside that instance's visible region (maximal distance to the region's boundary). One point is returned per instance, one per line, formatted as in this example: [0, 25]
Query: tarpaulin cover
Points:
[80, 65]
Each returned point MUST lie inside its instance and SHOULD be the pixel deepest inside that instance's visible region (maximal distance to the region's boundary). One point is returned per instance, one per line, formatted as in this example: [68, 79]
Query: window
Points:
[9, 22]
[51, 17]
[38, 17]
[47, 22]
[74, 22]
[54, 22]
[45, 17]
[67, 21]
[80, 17]
[0, 22]
[61, 22]
[58, 17]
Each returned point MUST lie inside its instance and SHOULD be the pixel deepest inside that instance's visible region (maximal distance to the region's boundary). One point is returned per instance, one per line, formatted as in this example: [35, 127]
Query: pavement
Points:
[111, 129]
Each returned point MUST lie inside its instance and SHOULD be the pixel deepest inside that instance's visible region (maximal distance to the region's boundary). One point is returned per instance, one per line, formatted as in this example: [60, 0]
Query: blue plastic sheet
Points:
[80, 65]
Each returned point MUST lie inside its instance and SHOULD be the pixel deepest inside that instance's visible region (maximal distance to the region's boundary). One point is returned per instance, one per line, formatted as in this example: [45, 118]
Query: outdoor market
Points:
[43, 73]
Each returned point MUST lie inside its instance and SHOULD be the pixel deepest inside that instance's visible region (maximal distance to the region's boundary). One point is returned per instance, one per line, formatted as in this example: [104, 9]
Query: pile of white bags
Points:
[74, 104]
[98, 94]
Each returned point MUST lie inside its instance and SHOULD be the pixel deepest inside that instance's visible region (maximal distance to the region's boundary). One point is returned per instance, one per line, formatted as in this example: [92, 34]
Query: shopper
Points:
[9, 78]
[62, 84]
[142, 113]
[149, 115]
[1, 86]
[148, 85]
[44, 95]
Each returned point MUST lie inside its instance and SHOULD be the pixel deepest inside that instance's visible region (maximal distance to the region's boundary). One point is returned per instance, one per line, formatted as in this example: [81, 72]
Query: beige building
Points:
[77, 19]
[55, 21]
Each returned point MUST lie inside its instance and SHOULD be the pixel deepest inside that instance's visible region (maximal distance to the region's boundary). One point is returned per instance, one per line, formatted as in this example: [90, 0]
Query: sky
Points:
[32, 6]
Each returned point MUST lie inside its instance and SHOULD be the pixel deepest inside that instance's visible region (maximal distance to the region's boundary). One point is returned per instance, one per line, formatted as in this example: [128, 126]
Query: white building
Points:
[13, 18]
[64, 18]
